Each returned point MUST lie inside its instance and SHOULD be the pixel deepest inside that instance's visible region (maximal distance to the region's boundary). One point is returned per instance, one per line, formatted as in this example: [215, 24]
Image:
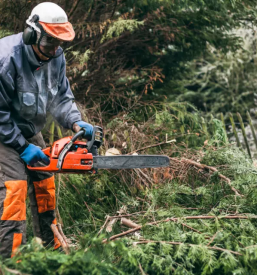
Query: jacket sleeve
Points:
[63, 107]
[10, 134]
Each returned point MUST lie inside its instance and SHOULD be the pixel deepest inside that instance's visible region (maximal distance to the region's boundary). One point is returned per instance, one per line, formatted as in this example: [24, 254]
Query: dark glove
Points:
[32, 154]
[88, 128]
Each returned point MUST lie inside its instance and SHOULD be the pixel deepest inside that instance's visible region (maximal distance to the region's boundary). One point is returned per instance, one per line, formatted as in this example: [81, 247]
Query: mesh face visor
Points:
[49, 46]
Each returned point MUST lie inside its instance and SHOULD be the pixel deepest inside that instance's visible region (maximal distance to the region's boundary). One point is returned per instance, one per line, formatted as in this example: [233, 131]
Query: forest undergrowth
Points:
[197, 216]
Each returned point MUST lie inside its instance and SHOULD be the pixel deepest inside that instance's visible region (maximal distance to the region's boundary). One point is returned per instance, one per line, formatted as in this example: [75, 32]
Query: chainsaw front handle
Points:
[80, 133]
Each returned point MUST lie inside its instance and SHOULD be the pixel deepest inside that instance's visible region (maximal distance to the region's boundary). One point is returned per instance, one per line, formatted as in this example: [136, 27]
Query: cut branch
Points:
[151, 146]
[141, 270]
[203, 166]
[59, 226]
[174, 219]
[178, 243]
[112, 220]
[101, 229]
[129, 223]
[60, 238]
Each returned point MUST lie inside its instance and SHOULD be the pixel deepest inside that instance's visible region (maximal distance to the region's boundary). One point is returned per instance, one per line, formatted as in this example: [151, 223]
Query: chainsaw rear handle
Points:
[40, 168]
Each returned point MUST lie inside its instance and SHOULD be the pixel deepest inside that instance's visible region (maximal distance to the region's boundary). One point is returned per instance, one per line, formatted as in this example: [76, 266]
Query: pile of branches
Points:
[197, 216]
[199, 221]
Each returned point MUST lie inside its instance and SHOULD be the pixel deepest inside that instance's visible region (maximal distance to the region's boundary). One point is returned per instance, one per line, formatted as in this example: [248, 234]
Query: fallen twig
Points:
[127, 215]
[141, 270]
[88, 208]
[103, 226]
[12, 271]
[150, 146]
[251, 246]
[129, 223]
[234, 217]
[213, 237]
[140, 171]
[184, 224]
[62, 234]
[60, 238]
[108, 218]
[114, 220]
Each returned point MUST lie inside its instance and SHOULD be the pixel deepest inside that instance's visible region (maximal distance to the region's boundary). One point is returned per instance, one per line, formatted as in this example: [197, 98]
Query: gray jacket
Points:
[28, 90]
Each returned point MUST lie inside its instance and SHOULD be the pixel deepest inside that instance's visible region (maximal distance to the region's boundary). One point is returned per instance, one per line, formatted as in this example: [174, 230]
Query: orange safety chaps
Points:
[15, 181]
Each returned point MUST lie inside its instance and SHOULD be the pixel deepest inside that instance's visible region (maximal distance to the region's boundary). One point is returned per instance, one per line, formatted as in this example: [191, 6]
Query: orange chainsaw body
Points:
[77, 160]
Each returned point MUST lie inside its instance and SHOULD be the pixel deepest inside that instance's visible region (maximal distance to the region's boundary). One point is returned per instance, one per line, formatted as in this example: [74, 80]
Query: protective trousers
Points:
[15, 180]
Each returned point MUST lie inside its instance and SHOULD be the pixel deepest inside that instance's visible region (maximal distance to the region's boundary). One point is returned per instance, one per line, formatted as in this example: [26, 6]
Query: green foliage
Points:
[219, 136]
[180, 246]
[219, 82]
[92, 258]
[118, 27]
[4, 33]
[128, 56]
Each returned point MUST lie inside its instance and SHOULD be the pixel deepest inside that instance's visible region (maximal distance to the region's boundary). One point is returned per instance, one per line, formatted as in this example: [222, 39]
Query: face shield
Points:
[49, 46]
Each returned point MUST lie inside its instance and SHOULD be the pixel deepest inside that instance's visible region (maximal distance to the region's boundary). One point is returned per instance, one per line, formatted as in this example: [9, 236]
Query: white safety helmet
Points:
[54, 21]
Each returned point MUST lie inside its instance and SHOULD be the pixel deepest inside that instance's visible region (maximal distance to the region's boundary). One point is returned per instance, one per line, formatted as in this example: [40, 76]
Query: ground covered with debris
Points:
[197, 216]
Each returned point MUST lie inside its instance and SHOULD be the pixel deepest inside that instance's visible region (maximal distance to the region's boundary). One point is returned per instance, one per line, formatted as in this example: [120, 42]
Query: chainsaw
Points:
[70, 155]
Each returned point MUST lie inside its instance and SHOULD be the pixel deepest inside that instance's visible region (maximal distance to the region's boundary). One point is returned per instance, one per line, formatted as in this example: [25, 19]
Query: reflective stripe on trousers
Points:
[15, 180]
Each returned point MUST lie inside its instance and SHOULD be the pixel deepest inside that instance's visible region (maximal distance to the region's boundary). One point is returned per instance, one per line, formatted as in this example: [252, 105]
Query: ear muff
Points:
[29, 34]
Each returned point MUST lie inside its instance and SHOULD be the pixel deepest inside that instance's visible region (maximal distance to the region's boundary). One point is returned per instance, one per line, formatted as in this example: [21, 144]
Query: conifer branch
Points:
[203, 166]
[178, 243]
[172, 219]
[12, 271]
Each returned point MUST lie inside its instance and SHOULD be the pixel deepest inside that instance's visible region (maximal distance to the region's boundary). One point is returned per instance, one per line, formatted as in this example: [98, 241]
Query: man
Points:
[32, 83]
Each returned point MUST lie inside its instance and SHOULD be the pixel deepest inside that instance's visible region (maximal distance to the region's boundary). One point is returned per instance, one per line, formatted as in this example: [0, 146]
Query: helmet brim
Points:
[61, 31]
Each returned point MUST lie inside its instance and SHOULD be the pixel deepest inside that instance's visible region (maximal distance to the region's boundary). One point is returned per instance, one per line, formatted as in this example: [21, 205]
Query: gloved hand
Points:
[33, 154]
[88, 127]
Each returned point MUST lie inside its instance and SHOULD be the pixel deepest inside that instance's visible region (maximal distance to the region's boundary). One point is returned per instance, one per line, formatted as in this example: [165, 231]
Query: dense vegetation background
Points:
[149, 72]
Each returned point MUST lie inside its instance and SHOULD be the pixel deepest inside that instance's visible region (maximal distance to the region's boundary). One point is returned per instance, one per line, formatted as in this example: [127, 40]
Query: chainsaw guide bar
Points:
[130, 162]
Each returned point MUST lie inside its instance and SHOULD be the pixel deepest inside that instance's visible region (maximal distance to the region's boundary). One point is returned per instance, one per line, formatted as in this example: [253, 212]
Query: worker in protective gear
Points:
[32, 83]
